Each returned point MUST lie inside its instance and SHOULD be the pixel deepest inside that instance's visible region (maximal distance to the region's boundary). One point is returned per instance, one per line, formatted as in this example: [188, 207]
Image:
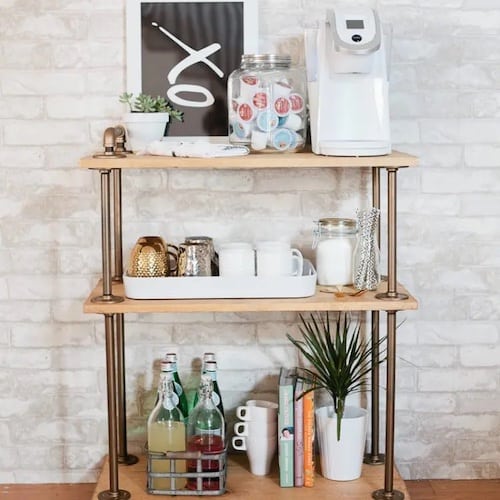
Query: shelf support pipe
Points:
[375, 457]
[114, 493]
[107, 286]
[116, 175]
[389, 493]
[119, 323]
[392, 293]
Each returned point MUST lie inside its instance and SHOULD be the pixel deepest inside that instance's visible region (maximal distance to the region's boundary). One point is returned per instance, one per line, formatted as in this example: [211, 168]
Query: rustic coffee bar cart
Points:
[380, 479]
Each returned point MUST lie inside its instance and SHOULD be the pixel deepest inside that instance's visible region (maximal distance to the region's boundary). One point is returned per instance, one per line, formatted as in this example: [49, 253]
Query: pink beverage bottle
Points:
[206, 433]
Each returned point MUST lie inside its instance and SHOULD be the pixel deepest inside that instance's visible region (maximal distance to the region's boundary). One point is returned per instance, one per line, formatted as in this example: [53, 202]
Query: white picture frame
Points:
[185, 51]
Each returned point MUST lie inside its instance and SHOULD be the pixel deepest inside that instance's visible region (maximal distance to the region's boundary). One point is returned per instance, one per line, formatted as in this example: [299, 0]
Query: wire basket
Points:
[206, 474]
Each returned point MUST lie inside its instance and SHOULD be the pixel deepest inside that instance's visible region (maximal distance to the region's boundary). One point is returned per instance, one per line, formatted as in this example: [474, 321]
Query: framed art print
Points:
[185, 51]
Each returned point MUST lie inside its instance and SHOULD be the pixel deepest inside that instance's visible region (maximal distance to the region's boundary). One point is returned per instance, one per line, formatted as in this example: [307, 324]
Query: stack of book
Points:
[296, 431]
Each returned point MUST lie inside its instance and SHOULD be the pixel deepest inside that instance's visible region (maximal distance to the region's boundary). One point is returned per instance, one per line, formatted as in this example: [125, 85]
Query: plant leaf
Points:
[340, 358]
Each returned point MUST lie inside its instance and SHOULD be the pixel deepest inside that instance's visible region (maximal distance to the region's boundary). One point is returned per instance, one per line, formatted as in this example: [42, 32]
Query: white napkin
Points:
[194, 149]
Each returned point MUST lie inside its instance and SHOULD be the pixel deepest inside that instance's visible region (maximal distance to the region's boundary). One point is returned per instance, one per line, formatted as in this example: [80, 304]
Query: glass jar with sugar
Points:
[334, 242]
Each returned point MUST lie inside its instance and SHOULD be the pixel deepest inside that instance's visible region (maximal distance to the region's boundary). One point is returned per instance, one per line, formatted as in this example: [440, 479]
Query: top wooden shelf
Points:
[252, 161]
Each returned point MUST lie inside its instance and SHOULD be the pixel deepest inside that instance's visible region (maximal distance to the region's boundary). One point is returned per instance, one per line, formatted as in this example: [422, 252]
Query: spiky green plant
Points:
[145, 103]
[340, 358]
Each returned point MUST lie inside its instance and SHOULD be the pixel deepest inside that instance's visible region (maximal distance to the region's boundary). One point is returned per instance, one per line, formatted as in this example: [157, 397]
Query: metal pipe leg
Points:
[388, 493]
[107, 295]
[121, 409]
[121, 402]
[392, 293]
[114, 493]
[117, 224]
[375, 457]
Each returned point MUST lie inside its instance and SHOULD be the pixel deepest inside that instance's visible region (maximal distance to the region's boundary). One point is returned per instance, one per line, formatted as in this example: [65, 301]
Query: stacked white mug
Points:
[256, 434]
[265, 259]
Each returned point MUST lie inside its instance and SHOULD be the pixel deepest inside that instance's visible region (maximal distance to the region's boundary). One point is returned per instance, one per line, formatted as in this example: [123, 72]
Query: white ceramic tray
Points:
[222, 287]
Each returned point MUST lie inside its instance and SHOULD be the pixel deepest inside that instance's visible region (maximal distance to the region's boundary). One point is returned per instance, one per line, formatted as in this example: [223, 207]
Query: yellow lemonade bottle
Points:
[166, 432]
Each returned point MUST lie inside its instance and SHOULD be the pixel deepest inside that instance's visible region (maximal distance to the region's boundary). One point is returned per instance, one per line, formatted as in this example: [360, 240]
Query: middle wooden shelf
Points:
[320, 301]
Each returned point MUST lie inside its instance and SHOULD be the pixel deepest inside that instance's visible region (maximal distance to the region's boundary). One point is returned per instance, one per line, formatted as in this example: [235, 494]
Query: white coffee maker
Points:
[348, 84]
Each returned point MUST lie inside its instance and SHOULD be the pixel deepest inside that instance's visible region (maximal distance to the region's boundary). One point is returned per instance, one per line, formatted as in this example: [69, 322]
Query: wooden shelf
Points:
[256, 161]
[242, 484]
[319, 302]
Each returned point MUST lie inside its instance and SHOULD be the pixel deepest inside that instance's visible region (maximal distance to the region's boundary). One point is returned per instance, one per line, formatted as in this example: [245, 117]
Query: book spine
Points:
[309, 439]
[285, 430]
[298, 419]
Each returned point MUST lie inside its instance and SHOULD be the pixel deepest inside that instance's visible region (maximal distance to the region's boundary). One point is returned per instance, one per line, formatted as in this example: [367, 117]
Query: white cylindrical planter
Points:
[341, 460]
[144, 128]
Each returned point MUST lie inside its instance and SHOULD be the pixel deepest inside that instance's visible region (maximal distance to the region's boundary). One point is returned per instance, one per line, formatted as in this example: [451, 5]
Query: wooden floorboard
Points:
[419, 490]
[82, 491]
[447, 489]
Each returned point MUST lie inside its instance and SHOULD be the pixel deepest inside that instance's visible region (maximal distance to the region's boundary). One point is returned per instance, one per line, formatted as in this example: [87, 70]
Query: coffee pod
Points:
[261, 99]
[259, 140]
[297, 102]
[248, 86]
[281, 89]
[281, 106]
[283, 139]
[293, 122]
[267, 121]
[241, 130]
[246, 112]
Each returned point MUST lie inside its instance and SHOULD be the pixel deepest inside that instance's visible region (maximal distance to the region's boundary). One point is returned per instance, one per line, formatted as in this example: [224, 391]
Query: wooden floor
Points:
[419, 490]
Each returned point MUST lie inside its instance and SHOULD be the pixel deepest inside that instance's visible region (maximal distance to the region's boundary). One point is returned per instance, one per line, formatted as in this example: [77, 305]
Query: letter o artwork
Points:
[172, 94]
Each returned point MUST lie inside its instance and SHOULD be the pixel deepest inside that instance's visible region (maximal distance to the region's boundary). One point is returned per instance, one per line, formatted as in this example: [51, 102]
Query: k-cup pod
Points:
[281, 106]
[259, 140]
[293, 122]
[297, 102]
[241, 130]
[248, 85]
[267, 120]
[261, 99]
[281, 89]
[283, 139]
[246, 112]
[235, 102]
[300, 142]
[281, 120]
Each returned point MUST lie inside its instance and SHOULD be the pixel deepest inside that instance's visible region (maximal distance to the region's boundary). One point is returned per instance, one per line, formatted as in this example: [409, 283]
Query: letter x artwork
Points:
[185, 51]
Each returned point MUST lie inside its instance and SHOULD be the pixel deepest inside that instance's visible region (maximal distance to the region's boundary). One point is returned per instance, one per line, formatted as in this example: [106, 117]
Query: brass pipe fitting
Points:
[108, 141]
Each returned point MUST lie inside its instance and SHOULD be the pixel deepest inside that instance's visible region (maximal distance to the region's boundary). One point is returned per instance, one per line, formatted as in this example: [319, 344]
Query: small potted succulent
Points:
[147, 118]
[339, 361]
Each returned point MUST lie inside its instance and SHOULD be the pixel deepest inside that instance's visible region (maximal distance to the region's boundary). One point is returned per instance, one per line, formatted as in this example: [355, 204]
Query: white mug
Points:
[236, 259]
[276, 258]
[260, 452]
[258, 410]
[256, 428]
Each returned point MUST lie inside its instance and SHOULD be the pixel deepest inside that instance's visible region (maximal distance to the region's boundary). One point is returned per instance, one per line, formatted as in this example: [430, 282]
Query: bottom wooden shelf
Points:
[242, 484]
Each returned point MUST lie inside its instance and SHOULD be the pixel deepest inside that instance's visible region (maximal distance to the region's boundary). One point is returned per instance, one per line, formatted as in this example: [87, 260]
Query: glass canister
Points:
[334, 241]
[267, 104]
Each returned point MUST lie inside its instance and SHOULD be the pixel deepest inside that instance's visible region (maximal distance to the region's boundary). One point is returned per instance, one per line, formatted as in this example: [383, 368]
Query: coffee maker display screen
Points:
[355, 24]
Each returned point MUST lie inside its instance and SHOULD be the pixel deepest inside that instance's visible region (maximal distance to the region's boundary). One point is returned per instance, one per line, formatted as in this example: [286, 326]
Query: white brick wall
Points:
[61, 69]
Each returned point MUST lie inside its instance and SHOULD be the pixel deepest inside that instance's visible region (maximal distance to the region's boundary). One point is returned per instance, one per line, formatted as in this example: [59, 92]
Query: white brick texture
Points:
[62, 66]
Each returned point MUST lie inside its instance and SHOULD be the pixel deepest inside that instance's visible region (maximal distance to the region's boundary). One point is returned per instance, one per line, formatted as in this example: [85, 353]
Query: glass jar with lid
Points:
[267, 104]
[334, 242]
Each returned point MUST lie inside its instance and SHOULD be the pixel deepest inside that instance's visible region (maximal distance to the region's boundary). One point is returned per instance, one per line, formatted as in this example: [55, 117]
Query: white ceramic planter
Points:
[144, 128]
[341, 460]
